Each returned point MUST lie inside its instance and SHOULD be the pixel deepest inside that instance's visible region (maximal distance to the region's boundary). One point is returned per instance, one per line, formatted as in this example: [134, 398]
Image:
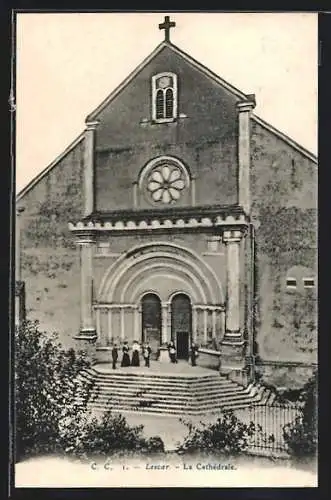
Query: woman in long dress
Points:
[135, 354]
[125, 355]
[172, 352]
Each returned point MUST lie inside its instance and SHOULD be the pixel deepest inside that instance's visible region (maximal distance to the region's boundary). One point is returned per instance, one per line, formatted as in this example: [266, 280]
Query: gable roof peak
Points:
[189, 59]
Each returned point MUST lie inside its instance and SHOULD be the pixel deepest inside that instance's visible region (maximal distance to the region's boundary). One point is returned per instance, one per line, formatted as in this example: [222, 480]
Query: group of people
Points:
[194, 353]
[137, 349]
[146, 351]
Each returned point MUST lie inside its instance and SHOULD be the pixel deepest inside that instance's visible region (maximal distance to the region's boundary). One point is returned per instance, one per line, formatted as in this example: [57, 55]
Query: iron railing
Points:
[270, 422]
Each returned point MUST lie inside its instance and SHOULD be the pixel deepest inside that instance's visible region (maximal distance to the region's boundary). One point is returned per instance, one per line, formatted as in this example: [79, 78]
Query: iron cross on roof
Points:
[166, 26]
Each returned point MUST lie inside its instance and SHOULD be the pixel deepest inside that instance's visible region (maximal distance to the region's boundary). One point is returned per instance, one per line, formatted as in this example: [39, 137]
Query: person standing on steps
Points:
[194, 354]
[135, 361]
[147, 353]
[125, 355]
[172, 352]
[114, 355]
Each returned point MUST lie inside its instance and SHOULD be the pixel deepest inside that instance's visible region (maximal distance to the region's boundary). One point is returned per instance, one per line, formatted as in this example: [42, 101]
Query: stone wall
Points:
[205, 139]
[284, 211]
[50, 258]
[285, 376]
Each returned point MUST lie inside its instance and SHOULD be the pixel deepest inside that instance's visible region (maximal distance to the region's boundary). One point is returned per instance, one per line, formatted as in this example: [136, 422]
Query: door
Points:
[182, 343]
[151, 321]
[181, 320]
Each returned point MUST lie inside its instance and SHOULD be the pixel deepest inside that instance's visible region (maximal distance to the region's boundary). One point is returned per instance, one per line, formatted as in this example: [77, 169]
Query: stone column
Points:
[194, 324]
[140, 325]
[122, 320]
[244, 113]
[232, 345]
[165, 315]
[165, 333]
[214, 323]
[205, 325]
[89, 167]
[110, 329]
[87, 327]
[136, 329]
[232, 323]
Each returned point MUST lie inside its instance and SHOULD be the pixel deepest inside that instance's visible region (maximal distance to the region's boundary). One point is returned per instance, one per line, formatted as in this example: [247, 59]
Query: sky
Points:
[67, 63]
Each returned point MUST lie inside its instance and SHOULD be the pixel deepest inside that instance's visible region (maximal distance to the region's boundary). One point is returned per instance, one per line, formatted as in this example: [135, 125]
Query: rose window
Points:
[166, 183]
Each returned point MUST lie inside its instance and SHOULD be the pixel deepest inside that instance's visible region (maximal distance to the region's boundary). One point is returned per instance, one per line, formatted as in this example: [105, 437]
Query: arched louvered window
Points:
[159, 105]
[169, 103]
[164, 97]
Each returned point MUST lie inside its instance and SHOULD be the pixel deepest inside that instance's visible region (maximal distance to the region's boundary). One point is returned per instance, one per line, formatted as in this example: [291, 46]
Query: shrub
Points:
[227, 435]
[155, 445]
[301, 435]
[107, 435]
[46, 389]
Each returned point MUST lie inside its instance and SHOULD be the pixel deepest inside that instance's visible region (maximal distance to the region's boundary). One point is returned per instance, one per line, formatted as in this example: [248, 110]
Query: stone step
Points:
[144, 384]
[193, 390]
[189, 393]
[244, 403]
[175, 402]
[214, 383]
[177, 378]
[213, 406]
[190, 389]
[214, 402]
[166, 410]
[170, 394]
[166, 383]
[204, 384]
[153, 392]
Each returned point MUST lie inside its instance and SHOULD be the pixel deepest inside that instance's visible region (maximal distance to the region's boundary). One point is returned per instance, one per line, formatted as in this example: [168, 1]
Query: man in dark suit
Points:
[147, 353]
[114, 355]
[194, 354]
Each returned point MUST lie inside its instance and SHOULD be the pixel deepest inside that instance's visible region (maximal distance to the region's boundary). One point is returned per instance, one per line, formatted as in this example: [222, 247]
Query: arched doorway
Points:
[181, 324]
[151, 320]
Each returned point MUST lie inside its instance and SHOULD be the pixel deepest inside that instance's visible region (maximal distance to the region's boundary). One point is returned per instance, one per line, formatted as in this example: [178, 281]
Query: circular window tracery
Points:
[165, 183]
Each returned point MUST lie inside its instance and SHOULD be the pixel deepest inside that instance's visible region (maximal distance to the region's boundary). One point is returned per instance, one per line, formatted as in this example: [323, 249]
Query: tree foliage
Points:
[110, 434]
[228, 435]
[46, 390]
[301, 435]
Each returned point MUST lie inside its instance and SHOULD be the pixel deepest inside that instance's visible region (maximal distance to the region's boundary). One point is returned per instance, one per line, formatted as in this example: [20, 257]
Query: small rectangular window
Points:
[308, 282]
[291, 283]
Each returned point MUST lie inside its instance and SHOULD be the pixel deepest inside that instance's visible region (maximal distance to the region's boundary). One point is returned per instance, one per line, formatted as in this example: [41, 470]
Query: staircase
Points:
[170, 394]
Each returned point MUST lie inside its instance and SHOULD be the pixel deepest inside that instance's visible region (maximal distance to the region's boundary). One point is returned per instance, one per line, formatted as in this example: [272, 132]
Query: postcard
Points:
[166, 249]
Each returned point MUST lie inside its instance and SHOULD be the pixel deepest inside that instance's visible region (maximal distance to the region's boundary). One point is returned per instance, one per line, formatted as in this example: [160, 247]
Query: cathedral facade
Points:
[178, 214]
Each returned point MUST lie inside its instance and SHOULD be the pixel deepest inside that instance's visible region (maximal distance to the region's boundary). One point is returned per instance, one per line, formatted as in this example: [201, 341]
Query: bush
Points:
[106, 436]
[46, 389]
[52, 414]
[301, 436]
[227, 435]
